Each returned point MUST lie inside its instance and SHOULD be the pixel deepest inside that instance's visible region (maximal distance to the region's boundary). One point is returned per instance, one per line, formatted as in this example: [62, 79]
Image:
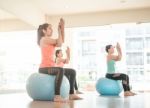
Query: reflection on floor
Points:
[91, 100]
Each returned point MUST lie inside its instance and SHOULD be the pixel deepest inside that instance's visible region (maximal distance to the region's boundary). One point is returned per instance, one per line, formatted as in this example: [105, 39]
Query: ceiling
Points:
[55, 7]
[6, 15]
[33, 11]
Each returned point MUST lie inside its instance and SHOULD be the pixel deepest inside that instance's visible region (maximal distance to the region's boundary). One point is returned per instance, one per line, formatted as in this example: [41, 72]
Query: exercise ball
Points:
[105, 86]
[42, 87]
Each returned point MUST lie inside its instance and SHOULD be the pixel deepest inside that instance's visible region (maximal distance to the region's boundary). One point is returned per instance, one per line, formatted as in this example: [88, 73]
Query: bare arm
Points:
[119, 55]
[48, 40]
[60, 33]
[116, 57]
[62, 28]
[68, 55]
[57, 42]
[119, 51]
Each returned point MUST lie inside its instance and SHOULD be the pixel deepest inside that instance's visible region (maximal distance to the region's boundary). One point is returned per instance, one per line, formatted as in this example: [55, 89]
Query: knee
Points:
[125, 76]
[61, 70]
[107, 75]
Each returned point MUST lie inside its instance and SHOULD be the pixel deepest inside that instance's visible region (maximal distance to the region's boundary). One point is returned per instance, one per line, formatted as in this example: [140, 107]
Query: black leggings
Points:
[59, 72]
[120, 76]
[75, 85]
[71, 75]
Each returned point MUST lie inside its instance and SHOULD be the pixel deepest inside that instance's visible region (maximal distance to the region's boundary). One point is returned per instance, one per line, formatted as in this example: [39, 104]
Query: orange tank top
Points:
[47, 53]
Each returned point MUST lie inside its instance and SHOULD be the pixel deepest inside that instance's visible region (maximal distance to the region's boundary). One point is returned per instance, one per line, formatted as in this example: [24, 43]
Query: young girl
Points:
[111, 59]
[47, 66]
[60, 61]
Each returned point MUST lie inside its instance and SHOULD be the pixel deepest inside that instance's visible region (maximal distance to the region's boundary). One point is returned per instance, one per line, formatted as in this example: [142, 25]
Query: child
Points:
[60, 61]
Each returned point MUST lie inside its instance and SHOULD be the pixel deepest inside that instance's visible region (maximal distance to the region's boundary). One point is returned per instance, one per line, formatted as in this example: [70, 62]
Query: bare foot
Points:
[74, 97]
[78, 92]
[133, 93]
[128, 93]
[58, 98]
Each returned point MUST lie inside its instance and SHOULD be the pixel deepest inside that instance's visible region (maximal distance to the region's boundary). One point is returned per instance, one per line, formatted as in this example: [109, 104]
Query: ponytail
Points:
[40, 32]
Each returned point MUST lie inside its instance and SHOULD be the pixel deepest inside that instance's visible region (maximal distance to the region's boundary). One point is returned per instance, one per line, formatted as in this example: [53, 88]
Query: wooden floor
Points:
[91, 100]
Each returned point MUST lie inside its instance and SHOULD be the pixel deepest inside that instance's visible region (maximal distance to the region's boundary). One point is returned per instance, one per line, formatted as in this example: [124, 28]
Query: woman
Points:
[60, 62]
[47, 66]
[111, 59]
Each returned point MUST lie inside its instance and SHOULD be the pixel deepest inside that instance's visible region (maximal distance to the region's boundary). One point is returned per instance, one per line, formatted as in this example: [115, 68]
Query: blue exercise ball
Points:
[42, 87]
[105, 86]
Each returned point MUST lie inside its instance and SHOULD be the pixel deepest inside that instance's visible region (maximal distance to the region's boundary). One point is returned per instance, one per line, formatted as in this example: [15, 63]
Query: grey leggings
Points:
[59, 72]
[120, 76]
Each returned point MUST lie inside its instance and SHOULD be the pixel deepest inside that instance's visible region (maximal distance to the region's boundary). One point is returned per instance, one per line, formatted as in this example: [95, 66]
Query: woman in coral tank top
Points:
[47, 66]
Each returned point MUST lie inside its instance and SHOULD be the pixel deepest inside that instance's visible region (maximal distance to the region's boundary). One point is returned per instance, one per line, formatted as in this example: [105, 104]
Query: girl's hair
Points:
[57, 52]
[40, 32]
[108, 47]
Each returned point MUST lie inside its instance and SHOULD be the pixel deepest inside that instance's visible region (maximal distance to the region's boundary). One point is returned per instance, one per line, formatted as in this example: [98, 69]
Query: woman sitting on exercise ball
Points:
[47, 66]
[111, 59]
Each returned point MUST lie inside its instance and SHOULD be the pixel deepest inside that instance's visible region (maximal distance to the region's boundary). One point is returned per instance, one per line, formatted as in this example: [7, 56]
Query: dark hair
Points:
[40, 33]
[57, 52]
[108, 47]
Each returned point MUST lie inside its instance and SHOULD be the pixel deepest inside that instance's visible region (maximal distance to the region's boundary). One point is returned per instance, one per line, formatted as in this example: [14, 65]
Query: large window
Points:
[19, 57]
[89, 44]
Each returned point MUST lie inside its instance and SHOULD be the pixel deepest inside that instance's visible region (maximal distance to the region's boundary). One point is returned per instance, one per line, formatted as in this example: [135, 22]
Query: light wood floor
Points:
[91, 100]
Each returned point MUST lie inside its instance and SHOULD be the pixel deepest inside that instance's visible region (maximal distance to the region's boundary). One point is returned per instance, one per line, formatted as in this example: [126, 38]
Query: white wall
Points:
[14, 25]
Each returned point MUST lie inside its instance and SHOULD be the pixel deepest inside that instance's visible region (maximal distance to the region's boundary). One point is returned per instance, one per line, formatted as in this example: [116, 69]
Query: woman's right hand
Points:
[61, 23]
[59, 28]
[118, 46]
[68, 50]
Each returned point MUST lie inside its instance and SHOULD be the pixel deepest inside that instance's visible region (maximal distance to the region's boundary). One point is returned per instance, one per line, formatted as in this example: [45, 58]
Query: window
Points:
[88, 47]
[19, 57]
[90, 56]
